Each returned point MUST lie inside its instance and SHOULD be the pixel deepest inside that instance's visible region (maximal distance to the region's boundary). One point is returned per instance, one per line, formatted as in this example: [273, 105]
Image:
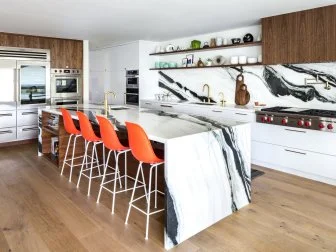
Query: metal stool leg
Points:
[66, 153]
[116, 172]
[149, 199]
[133, 191]
[90, 178]
[84, 161]
[156, 186]
[73, 155]
[103, 180]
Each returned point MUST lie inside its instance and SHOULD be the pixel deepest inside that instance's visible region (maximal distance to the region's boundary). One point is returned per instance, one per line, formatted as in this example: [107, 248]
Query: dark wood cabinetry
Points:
[300, 37]
[63, 52]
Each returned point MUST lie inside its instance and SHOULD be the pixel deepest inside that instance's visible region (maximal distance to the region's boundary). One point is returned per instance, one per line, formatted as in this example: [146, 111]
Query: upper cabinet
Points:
[300, 37]
[64, 53]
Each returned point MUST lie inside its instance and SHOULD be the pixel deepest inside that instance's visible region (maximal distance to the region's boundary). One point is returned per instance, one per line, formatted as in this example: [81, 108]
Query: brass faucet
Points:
[106, 94]
[221, 96]
[206, 85]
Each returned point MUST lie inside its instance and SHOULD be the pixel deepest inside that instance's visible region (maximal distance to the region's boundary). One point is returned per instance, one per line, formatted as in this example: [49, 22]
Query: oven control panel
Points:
[303, 122]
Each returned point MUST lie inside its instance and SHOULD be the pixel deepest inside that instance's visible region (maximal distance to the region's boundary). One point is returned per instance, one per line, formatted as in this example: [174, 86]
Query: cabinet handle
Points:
[29, 113]
[166, 106]
[131, 94]
[8, 114]
[148, 103]
[300, 131]
[30, 129]
[217, 111]
[296, 152]
[240, 113]
[6, 132]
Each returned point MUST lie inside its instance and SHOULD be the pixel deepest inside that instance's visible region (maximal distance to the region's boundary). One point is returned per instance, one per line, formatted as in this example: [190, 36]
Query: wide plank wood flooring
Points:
[41, 211]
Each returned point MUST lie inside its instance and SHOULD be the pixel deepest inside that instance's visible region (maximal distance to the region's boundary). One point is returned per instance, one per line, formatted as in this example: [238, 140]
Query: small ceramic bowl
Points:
[235, 40]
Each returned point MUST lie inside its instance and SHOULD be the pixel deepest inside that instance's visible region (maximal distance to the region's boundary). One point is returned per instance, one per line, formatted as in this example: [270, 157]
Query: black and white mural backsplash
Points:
[274, 85]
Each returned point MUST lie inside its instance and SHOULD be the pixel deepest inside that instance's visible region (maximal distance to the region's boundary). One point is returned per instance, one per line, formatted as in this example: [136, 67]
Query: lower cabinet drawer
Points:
[303, 161]
[7, 118]
[7, 134]
[27, 132]
[27, 117]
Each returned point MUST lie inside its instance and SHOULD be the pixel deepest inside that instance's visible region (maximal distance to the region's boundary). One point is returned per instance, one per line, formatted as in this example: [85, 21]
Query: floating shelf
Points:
[257, 43]
[195, 67]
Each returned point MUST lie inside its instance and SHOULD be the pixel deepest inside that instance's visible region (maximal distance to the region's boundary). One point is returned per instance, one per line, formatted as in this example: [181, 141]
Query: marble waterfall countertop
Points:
[160, 126]
[207, 168]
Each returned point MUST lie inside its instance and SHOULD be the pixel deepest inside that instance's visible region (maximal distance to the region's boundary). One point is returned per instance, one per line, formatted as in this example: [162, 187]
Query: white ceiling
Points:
[106, 22]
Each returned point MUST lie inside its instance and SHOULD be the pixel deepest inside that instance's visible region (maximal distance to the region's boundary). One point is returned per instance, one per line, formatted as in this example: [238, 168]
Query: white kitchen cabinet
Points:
[27, 117]
[7, 118]
[27, 132]
[304, 139]
[108, 71]
[296, 161]
[7, 134]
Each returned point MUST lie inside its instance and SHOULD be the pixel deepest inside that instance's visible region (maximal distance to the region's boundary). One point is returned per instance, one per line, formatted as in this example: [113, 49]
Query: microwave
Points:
[66, 83]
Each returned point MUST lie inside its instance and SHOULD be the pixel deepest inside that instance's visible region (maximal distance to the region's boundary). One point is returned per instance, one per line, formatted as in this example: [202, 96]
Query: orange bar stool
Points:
[90, 137]
[112, 143]
[71, 129]
[143, 151]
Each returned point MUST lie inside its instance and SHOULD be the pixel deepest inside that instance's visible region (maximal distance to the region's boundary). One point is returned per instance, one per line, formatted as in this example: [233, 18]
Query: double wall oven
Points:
[66, 86]
[132, 87]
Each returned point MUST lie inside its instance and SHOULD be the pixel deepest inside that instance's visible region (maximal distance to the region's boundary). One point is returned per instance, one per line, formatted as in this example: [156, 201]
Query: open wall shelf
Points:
[257, 43]
[195, 67]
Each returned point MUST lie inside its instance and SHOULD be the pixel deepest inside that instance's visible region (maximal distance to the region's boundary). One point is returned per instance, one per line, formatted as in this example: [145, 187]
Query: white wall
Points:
[286, 83]
[201, 76]
[147, 78]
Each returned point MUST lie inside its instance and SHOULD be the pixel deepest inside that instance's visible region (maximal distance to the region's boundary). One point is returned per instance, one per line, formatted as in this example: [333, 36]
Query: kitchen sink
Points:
[203, 103]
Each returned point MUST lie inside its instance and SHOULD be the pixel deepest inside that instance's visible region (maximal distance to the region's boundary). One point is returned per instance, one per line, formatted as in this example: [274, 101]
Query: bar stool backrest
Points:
[109, 135]
[86, 128]
[140, 145]
[69, 125]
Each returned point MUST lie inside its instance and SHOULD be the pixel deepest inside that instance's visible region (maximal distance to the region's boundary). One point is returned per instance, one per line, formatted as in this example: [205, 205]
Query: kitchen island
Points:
[207, 169]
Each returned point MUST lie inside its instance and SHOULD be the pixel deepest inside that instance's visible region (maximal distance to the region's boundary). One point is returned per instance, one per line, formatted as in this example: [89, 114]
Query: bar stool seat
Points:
[112, 143]
[143, 151]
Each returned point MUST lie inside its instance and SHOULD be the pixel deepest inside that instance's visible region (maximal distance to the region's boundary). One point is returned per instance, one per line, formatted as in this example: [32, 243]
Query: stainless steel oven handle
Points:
[68, 99]
[296, 152]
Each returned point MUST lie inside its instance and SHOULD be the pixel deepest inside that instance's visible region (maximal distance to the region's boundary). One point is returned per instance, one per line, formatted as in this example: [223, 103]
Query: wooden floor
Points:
[42, 211]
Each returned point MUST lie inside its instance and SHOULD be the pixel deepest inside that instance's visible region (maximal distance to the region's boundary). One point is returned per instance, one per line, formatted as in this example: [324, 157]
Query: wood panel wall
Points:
[63, 52]
[300, 37]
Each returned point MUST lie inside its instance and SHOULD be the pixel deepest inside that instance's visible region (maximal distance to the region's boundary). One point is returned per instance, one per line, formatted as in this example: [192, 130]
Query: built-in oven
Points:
[132, 87]
[66, 83]
[66, 101]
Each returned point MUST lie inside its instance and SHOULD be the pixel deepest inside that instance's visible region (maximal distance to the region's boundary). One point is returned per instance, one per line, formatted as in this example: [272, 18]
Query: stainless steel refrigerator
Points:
[25, 85]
